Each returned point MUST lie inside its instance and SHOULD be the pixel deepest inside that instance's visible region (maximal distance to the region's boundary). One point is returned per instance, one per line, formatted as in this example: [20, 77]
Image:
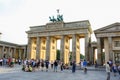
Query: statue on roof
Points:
[59, 17]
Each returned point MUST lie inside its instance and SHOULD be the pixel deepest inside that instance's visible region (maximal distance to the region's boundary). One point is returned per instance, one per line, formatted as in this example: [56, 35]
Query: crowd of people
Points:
[9, 61]
[43, 65]
[112, 67]
[32, 65]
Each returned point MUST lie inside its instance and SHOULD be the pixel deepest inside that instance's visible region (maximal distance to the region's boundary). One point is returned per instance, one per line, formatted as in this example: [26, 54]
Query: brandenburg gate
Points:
[42, 40]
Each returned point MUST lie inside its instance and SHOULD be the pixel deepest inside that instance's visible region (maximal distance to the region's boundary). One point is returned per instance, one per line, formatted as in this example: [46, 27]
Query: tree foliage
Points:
[70, 58]
[58, 55]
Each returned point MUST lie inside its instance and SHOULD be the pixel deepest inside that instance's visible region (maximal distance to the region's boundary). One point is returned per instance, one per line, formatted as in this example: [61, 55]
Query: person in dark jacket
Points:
[73, 67]
[46, 65]
[55, 66]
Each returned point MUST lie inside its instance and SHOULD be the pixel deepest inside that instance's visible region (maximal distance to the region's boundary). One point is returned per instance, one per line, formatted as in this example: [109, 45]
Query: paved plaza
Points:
[7, 73]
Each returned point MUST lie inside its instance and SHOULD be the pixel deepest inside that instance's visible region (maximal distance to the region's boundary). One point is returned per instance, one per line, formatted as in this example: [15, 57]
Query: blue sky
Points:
[16, 16]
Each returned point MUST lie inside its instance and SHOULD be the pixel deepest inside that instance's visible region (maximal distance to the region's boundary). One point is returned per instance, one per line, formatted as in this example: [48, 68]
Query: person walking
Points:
[108, 71]
[85, 66]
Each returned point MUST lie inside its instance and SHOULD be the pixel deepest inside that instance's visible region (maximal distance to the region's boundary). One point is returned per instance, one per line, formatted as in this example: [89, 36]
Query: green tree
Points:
[58, 54]
[82, 56]
[103, 57]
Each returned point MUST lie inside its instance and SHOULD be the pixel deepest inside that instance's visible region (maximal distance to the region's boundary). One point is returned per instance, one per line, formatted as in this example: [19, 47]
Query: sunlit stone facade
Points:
[12, 50]
[42, 40]
[108, 41]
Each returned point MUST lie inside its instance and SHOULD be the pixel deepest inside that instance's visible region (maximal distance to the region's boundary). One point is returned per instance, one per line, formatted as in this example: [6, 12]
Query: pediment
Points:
[110, 28]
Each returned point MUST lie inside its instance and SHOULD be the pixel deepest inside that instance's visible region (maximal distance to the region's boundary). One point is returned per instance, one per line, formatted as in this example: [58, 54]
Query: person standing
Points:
[46, 65]
[114, 68]
[73, 67]
[55, 65]
[1, 62]
[42, 65]
[119, 70]
[108, 70]
[51, 64]
[19, 61]
[61, 66]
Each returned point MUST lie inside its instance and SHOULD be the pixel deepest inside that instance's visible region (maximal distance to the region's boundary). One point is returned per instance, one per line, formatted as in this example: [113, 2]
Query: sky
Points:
[16, 16]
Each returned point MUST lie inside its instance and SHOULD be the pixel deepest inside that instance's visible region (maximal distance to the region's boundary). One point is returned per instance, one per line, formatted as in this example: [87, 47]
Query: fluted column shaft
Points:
[99, 51]
[48, 48]
[86, 47]
[73, 47]
[62, 49]
[38, 48]
[110, 48]
[29, 48]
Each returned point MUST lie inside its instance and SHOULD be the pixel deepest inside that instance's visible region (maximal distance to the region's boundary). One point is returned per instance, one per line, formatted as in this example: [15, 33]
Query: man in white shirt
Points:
[108, 70]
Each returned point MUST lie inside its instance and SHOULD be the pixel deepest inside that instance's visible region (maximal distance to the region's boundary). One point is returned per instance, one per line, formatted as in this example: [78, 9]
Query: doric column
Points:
[9, 52]
[73, 47]
[19, 53]
[24, 55]
[99, 61]
[110, 48]
[92, 55]
[14, 52]
[38, 48]
[62, 48]
[48, 48]
[113, 58]
[86, 47]
[2, 55]
[29, 48]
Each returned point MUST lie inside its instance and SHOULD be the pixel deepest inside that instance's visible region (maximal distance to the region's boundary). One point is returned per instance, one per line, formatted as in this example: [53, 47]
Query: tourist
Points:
[111, 64]
[38, 63]
[114, 68]
[46, 65]
[84, 63]
[4, 61]
[9, 61]
[19, 61]
[33, 64]
[51, 64]
[55, 66]
[42, 65]
[85, 66]
[1, 62]
[96, 65]
[73, 67]
[26, 68]
[61, 66]
[119, 70]
[108, 70]
[81, 64]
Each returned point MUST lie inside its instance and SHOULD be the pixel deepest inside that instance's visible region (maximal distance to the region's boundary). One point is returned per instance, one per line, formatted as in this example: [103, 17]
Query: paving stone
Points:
[16, 73]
